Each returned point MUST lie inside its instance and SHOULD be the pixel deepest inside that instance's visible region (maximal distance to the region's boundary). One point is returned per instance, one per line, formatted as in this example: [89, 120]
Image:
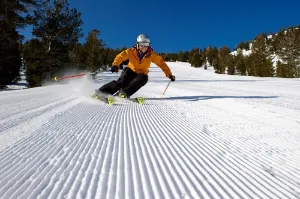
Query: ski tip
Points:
[140, 100]
[94, 96]
[108, 100]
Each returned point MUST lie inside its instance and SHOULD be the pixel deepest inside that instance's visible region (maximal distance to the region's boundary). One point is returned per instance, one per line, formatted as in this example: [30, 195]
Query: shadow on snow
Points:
[198, 98]
[197, 80]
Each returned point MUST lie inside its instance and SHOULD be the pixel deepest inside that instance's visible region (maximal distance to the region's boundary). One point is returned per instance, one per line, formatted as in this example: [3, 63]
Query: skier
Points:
[135, 75]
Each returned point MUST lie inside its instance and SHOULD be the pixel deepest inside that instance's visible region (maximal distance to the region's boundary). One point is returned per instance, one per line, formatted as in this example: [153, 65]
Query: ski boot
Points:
[122, 94]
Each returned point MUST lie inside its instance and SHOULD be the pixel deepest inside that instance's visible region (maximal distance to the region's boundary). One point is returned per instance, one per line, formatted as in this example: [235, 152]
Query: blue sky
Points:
[183, 25]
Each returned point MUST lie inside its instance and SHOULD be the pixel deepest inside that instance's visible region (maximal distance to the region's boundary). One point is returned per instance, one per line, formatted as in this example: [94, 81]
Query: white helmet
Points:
[143, 39]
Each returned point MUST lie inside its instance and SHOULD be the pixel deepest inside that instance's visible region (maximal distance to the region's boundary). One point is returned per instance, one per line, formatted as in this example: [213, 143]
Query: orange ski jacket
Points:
[143, 65]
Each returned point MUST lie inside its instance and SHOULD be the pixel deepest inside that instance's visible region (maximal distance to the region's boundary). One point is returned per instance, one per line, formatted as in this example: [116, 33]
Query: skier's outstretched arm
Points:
[159, 61]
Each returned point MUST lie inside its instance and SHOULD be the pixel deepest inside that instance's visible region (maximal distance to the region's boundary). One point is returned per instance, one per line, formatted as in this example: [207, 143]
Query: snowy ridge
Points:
[216, 139]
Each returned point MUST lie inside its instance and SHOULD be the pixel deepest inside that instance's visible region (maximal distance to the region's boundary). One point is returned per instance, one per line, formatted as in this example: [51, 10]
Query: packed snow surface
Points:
[208, 136]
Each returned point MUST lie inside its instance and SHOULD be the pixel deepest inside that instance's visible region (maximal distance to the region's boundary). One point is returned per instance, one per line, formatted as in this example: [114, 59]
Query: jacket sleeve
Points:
[159, 61]
[122, 56]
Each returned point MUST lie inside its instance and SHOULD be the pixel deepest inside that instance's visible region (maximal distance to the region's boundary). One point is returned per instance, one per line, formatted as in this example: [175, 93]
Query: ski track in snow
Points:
[70, 146]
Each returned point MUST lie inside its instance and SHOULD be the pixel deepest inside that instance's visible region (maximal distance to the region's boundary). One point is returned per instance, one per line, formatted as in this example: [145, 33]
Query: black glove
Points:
[114, 69]
[172, 78]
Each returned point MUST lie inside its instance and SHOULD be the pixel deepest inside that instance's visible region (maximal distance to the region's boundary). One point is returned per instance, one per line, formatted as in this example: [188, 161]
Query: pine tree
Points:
[261, 62]
[230, 63]
[225, 50]
[94, 49]
[243, 45]
[260, 65]
[250, 65]
[10, 55]
[110, 55]
[58, 28]
[196, 60]
[192, 53]
[240, 64]
[288, 50]
[183, 56]
[57, 24]
[77, 57]
[12, 16]
[34, 56]
[211, 54]
[223, 62]
[282, 70]
[217, 65]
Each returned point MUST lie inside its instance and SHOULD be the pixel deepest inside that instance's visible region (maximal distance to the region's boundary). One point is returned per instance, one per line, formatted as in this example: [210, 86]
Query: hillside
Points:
[209, 136]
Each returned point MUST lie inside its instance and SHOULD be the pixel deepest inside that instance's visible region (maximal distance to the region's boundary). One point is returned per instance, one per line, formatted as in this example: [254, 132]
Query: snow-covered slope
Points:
[209, 136]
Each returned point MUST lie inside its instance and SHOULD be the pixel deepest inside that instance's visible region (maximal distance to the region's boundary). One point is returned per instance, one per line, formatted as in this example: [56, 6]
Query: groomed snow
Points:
[209, 136]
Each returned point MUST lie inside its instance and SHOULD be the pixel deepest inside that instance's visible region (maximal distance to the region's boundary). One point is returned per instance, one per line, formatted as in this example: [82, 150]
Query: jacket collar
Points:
[141, 55]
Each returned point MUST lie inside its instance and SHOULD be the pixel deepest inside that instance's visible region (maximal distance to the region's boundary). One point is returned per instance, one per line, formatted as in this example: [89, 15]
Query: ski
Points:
[108, 100]
[139, 100]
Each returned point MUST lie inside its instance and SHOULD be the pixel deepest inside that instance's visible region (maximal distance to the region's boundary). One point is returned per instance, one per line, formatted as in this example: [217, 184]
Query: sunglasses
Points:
[144, 45]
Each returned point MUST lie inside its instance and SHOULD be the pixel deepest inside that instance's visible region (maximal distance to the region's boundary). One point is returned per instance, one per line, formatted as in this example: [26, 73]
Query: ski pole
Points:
[71, 76]
[167, 87]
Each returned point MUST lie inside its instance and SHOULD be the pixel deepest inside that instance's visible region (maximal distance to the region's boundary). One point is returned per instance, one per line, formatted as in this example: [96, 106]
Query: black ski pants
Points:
[129, 81]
